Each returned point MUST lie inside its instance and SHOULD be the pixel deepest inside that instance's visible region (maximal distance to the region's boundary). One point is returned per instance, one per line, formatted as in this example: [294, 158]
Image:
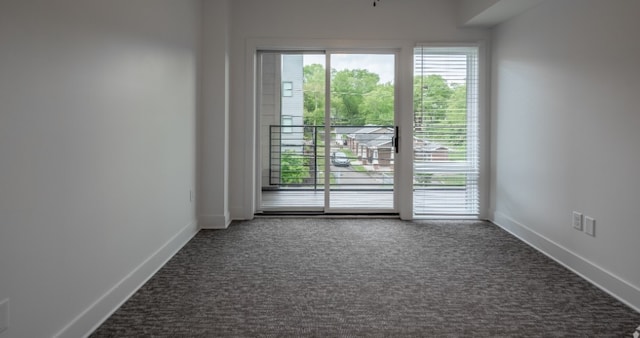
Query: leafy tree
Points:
[444, 108]
[378, 105]
[293, 168]
[348, 90]
[431, 95]
[313, 88]
[457, 116]
[357, 97]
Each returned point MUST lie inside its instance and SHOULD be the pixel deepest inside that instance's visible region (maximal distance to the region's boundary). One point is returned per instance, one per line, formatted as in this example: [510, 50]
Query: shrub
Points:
[293, 168]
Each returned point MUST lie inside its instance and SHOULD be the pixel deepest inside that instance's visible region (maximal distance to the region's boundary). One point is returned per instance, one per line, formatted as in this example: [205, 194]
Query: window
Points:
[287, 89]
[446, 145]
[287, 122]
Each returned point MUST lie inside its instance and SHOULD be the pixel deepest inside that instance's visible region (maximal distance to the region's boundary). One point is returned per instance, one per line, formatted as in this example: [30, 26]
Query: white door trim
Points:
[404, 112]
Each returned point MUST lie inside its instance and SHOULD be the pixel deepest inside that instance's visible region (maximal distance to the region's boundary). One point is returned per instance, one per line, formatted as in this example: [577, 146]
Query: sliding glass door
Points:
[361, 120]
[327, 131]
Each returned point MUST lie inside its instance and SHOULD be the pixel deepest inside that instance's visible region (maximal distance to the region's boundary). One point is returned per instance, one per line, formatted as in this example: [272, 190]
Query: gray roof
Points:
[373, 136]
[347, 130]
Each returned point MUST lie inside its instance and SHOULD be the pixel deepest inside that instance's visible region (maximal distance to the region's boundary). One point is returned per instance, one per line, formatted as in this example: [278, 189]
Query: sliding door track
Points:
[321, 214]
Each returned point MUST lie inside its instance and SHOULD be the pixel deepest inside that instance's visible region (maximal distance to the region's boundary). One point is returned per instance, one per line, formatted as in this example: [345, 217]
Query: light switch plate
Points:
[590, 226]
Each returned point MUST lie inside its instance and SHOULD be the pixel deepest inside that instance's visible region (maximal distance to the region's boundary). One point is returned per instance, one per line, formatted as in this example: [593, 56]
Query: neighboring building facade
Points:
[281, 111]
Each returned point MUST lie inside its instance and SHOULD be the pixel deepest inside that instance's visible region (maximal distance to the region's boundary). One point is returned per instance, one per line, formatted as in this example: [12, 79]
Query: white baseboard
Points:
[240, 214]
[214, 221]
[92, 317]
[603, 279]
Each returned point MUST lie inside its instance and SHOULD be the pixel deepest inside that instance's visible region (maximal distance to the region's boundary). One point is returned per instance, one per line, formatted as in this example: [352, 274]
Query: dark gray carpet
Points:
[366, 277]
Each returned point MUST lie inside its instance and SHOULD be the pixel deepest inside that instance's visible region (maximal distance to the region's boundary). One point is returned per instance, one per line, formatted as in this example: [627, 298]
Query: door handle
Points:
[395, 138]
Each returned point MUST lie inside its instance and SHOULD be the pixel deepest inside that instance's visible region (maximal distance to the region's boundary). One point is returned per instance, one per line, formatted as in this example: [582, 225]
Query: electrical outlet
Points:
[590, 226]
[191, 195]
[4, 315]
[577, 220]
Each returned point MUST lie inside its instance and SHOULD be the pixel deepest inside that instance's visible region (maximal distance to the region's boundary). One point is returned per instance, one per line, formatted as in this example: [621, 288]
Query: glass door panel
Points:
[361, 133]
[290, 91]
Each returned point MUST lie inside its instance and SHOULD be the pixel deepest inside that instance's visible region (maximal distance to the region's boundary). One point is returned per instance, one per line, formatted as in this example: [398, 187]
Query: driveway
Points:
[347, 175]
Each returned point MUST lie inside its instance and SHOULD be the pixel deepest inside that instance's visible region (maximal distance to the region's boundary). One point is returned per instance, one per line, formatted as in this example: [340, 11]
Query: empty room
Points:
[288, 168]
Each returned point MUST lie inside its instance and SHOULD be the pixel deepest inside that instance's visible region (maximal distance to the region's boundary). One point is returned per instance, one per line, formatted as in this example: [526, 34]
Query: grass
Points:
[451, 180]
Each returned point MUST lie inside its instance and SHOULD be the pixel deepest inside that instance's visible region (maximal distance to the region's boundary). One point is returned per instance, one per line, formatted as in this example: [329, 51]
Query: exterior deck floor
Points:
[425, 202]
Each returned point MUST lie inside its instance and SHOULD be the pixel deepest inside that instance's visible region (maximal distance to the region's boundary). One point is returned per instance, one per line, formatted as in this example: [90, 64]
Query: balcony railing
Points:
[361, 157]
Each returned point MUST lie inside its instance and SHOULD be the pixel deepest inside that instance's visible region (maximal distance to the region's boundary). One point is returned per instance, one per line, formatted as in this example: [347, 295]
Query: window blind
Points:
[445, 132]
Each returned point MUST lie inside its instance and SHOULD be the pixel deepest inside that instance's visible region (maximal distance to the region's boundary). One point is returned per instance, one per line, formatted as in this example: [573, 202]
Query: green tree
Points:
[293, 168]
[456, 116]
[348, 90]
[450, 129]
[357, 97]
[314, 89]
[378, 105]
[431, 95]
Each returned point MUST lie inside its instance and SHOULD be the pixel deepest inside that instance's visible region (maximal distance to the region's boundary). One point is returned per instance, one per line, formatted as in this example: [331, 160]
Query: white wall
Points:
[213, 152]
[333, 21]
[468, 9]
[488, 13]
[97, 153]
[565, 135]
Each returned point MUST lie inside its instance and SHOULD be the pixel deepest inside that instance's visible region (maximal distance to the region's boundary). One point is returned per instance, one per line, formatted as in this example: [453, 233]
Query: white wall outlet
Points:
[590, 226]
[4, 315]
[577, 220]
[191, 195]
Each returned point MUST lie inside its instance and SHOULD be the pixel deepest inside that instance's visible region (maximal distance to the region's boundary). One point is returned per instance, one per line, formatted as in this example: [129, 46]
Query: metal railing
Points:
[362, 157]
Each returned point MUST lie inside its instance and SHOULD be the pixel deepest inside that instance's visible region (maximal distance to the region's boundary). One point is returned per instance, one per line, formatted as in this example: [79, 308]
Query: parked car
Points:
[340, 159]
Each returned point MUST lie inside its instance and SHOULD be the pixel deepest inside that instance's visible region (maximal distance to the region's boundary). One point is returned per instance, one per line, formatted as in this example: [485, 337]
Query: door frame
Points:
[248, 195]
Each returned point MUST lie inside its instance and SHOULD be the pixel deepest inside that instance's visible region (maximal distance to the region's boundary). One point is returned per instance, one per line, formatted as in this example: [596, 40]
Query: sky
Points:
[452, 68]
[381, 64]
